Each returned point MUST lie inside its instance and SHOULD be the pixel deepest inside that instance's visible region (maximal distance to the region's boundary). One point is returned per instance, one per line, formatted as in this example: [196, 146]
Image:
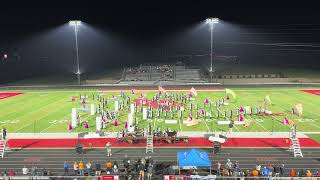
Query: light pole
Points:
[75, 24]
[211, 21]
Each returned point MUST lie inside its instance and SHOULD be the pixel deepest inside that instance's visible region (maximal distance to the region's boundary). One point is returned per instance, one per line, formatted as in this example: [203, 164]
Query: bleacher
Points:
[188, 74]
[141, 73]
[163, 72]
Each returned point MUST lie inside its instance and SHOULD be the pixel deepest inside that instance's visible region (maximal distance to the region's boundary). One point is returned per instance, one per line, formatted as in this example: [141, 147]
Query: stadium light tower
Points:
[211, 21]
[76, 24]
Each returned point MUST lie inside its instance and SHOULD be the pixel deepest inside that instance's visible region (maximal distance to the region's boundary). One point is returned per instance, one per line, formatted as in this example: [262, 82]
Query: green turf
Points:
[316, 137]
[50, 111]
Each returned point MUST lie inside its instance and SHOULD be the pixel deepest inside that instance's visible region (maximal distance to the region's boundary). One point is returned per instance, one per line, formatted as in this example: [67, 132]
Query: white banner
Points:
[116, 106]
[74, 117]
[92, 110]
[130, 123]
[144, 113]
[98, 123]
[132, 108]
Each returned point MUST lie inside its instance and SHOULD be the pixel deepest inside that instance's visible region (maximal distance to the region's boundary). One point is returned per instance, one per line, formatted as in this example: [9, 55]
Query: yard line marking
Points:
[53, 124]
[206, 125]
[180, 124]
[35, 111]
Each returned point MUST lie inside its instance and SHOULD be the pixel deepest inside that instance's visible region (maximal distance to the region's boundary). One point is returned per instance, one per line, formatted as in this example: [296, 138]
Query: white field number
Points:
[9, 121]
[58, 122]
[259, 120]
[306, 120]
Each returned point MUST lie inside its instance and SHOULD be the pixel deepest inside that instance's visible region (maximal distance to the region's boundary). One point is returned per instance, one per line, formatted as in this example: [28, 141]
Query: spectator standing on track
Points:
[228, 167]
[282, 170]
[12, 173]
[254, 173]
[25, 170]
[236, 167]
[108, 147]
[4, 174]
[270, 168]
[115, 167]
[218, 168]
[308, 173]
[108, 165]
[98, 169]
[141, 171]
[276, 171]
[66, 168]
[292, 173]
[89, 169]
[126, 163]
[265, 172]
[81, 168]
[76, 168]
[34, 171]
[149, 170]
[258, 167]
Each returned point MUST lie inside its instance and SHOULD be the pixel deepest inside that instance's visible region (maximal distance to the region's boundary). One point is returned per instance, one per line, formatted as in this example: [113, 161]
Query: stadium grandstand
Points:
[163, 72]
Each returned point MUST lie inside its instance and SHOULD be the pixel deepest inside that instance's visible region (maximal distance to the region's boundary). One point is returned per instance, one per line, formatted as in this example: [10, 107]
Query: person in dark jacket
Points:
[98, 169]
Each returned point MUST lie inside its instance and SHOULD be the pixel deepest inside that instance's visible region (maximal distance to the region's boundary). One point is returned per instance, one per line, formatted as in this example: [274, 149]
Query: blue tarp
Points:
[193, 157]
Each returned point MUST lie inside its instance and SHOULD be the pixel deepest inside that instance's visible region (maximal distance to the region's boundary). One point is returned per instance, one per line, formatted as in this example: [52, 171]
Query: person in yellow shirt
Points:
[254, 173]
[81, 168]
[108, 165]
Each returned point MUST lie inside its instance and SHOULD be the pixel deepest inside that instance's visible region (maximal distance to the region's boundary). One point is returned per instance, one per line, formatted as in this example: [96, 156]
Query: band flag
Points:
[161, 89]
[267, 99]
[229, 91]
[299, 109]
[193, 91]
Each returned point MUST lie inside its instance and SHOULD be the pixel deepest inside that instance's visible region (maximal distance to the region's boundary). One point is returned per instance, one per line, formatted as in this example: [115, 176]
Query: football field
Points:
[43, 111]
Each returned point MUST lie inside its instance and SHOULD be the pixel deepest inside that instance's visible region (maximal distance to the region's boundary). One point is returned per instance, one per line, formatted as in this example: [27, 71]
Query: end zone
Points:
[4, 95]
[314, 91]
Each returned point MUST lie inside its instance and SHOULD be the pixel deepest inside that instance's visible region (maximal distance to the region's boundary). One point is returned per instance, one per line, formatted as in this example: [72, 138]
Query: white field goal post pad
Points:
[171, 122]
[228, 122]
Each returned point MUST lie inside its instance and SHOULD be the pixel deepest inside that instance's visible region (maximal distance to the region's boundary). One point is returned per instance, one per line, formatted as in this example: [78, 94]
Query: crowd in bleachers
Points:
[166, 70]
[154, 71]
[137, 70]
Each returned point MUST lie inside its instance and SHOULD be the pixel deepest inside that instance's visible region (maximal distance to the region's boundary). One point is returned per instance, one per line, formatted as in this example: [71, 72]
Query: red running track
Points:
[4, 95]
[193, 142]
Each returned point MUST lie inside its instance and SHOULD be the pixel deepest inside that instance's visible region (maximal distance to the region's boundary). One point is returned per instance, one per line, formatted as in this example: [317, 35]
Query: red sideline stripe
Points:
[314, 92]
[268, 142]
[4, 95]
[198, 142]
[155, 88]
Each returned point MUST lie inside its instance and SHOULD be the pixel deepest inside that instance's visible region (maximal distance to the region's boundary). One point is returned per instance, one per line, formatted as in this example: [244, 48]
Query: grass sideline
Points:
[50, 110]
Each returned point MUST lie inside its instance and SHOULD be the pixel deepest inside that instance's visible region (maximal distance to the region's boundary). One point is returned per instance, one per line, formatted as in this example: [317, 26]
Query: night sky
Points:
[38, 40]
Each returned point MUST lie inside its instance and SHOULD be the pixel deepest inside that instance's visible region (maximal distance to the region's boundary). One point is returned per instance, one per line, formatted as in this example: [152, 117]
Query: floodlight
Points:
[212, 20]
[75, 23]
